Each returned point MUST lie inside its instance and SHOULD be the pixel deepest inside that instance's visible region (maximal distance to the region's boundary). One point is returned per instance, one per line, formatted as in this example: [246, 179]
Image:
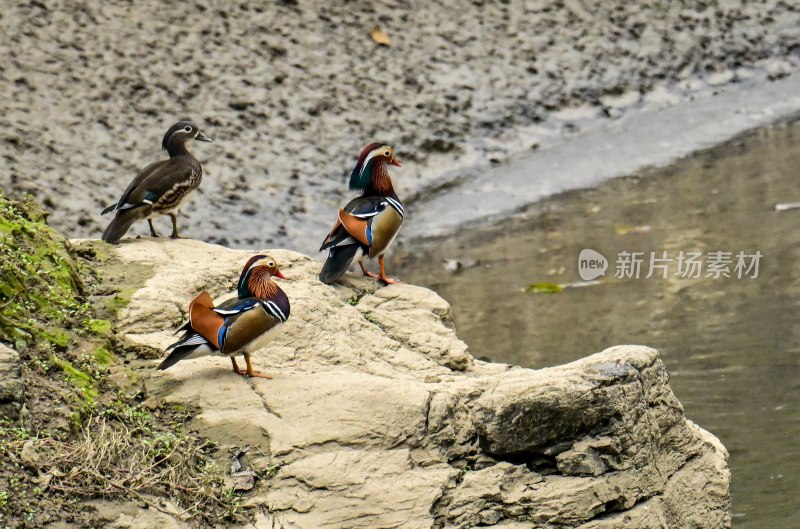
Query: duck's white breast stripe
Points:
[274, 310]
[397, 205]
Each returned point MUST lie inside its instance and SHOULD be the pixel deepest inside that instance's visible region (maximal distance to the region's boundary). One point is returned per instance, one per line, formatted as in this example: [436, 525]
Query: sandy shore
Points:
[292, 91]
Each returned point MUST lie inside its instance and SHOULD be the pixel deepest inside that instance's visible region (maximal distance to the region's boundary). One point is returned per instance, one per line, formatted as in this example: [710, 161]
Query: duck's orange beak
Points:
[395, 161]
[279, 275]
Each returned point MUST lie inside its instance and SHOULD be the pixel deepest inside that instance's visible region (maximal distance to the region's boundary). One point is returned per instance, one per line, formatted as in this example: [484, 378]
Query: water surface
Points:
[732, 345]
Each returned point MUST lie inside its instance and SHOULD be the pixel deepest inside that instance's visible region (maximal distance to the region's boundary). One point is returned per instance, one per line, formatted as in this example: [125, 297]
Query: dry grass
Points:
[113, 460]
[125, 454]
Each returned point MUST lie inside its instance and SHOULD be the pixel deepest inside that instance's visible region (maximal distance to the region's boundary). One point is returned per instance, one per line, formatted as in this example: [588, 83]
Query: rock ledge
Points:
[379, 417]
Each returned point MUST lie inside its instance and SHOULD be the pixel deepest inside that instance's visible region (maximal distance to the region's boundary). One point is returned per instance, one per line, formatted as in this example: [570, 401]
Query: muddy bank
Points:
[292, 91]
[656, 135]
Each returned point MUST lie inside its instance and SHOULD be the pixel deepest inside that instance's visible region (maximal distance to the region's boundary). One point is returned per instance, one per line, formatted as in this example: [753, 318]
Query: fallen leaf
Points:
[236, 462]
[624, 230]
[244, 480]
[171, 508]
[151, 403]
[787, 206]
[29, 455]
[544, 288]
[43, 480]
[452, 265]
[380, 36]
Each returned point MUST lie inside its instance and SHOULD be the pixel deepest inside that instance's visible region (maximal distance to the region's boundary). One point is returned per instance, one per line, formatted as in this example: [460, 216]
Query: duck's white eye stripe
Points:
[367, 159]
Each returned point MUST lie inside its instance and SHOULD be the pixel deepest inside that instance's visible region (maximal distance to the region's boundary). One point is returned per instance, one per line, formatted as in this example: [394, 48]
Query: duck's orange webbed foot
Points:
[249, 372]
[367, 272]
[382, 276]
[236, 368]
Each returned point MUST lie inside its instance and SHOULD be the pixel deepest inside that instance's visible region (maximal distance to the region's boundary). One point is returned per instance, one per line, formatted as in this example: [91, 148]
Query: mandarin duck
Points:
[161, 187]
[368, 224]
[239, 325]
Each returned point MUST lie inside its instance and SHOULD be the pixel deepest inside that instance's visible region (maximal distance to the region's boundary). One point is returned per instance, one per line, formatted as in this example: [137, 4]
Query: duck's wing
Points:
[136, 183]
[152, 183]
[204, 320]
[253, 318]
[200, 335]
[353, 224]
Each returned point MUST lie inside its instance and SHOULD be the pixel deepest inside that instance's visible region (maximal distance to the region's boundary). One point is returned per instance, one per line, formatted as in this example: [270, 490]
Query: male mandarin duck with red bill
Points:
[239, 325]
[368, 224]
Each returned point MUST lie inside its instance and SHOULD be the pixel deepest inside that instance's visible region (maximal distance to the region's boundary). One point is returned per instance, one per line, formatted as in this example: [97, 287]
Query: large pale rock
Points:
[11, 388]
[358, 489]
[377, 415]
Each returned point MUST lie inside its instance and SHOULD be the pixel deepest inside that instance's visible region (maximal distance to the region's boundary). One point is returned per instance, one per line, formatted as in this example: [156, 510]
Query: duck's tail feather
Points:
[336, 237]
[110, 208]
[120, 225]
[339, 260]
[190, 343]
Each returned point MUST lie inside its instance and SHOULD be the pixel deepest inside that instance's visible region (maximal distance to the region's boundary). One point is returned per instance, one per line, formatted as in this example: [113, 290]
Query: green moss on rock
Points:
[98, 328]
[83, 382]
[39, 284]
[103, 357]
[120, 299]
[63, 328]
[109, 283]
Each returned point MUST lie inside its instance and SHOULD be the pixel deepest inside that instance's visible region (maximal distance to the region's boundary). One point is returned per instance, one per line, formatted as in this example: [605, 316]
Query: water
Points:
[732, 345]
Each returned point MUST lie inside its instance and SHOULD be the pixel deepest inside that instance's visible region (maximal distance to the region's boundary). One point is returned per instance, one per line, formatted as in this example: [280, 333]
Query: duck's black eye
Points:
[271, 264]
[187, 128]
[386, 153]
